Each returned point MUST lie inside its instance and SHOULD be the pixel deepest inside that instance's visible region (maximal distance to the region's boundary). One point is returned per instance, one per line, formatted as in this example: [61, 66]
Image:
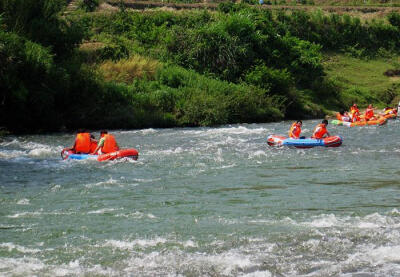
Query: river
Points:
[203, 202]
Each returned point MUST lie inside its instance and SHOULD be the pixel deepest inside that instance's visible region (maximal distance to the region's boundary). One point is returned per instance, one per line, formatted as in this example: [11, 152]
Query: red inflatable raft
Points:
[277, 140]
[124, 153]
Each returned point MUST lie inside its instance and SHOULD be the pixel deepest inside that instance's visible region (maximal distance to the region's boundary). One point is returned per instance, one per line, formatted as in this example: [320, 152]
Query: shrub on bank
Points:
[89, 5]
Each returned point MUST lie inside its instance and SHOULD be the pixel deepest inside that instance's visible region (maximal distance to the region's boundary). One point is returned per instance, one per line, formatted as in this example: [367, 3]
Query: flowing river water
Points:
[203, 202]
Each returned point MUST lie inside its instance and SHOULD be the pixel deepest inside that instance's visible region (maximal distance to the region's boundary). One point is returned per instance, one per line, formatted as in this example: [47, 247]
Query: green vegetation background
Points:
[135, 69]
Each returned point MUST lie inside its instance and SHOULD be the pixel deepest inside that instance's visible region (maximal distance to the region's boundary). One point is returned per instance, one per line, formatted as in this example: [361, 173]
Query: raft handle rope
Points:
[64, 153]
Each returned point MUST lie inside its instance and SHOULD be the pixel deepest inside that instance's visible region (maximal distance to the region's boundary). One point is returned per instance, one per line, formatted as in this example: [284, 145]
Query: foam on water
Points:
[258, 274]
[11, 246]
[203, 202]
[39, 152]
[10, 154]
[129, 245]
[175, 151]
[103, 211]
[225, 130]
[383, 255]
[23, 201]
[226, 263]
[13, 142]
[35, 267]
[110, 181]
[25, 214]
[21, 266]
[146, 180]
[137, 215]
[240, 130]
[252, 257]
[27, 149]
[149, 131]
[74, 268]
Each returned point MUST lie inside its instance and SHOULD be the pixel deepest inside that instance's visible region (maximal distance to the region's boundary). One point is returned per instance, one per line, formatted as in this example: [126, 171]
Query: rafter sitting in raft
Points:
[369, 113]
[295, 129]
[107, 143]
[354, 113]
[320, 130]
[389, 112]
[343, 116]
[84, 142]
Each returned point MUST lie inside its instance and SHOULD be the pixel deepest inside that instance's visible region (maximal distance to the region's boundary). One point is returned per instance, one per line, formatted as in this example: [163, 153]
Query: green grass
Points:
[356, 2]
[364, 79]
[127, 70]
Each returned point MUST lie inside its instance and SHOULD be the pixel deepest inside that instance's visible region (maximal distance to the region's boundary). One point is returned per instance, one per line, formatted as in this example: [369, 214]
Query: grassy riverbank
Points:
[156, 68]
[364, 80]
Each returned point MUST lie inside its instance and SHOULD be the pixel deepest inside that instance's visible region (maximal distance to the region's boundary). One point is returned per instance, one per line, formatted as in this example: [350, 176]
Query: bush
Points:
[274, 81]
[173, 77]
[202, 109]
[38, 21]
[114, 52]
[394, 19]
[251, 105]
[335, 32]
[163, 100]
[26, 72]
[89, 5]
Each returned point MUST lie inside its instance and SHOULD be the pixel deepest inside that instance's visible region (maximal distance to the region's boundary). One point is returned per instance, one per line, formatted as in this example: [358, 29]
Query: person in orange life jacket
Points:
[84, 142]
[343, 116]
[369, 113]
[389, 110]
[295, 130]
[354, 113]
[93, 143]
[320, 130]
[107, 143]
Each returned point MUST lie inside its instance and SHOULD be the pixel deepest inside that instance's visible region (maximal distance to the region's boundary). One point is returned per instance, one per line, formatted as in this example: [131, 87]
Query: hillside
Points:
[104, 66]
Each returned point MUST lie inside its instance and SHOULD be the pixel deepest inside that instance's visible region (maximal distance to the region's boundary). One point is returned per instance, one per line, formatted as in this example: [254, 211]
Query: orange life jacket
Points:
[355, 114]
[339, 117]
[294, 131]
[82, 143]
[110, 144]
[354, 110]
[319, 131]
[93, 146]
[369, 113]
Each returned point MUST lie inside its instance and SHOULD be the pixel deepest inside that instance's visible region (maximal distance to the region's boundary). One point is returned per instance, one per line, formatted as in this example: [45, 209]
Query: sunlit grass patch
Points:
[364, 75]
[127, 70]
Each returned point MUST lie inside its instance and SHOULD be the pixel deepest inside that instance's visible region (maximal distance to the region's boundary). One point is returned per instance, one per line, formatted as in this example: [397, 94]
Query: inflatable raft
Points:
[124, 153]
[379, 121]
[390, 116]
[332, 141]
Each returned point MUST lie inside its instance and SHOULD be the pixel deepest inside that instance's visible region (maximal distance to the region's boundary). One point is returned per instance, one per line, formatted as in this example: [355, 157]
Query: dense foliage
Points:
[159, 69]
[343, 32]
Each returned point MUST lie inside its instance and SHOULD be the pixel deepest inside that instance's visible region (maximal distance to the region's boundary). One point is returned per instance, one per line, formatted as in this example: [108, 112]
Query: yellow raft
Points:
[379, 121]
